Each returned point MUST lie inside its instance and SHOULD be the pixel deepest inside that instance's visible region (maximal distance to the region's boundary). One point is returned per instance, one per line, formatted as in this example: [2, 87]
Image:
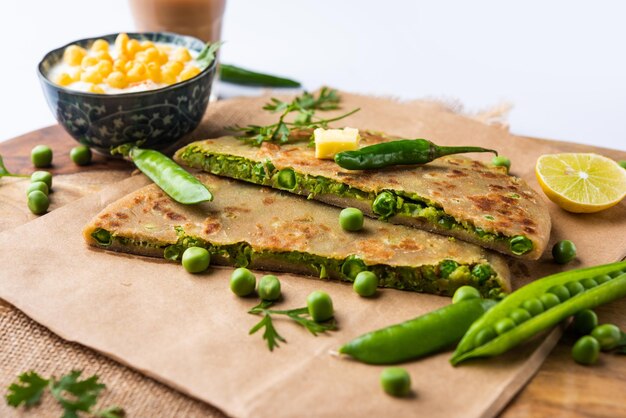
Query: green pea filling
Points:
[442, 279]
[384, 204]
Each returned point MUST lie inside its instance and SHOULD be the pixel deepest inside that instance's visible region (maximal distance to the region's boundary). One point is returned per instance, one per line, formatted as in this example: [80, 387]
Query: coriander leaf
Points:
[84, 393]
[111, 412]
[270, 335]
[312, 326]
[6, 173]
[206, 57]
[29, 387]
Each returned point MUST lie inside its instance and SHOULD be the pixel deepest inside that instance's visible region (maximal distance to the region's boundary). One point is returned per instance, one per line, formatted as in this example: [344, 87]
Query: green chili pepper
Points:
[174, 180]
[474, 344]
[418, 337]
[238, 75]
[401, 152]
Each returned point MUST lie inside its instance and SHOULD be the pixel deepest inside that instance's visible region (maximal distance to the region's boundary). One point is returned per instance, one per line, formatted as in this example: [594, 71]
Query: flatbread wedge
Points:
[271, 230]
[452, 195]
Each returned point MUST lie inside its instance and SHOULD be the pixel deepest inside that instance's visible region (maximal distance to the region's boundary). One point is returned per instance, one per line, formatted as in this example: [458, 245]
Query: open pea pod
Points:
[539, 306]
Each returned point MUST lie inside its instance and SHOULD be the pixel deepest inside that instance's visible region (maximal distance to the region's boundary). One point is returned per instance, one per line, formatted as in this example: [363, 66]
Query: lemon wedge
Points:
[581, 183]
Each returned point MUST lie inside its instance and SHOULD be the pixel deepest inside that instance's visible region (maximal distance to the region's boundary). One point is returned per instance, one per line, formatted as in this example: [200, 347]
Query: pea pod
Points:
[238, 75]
[417, 337]
[483, 339]
[401, 152]
[174, 180]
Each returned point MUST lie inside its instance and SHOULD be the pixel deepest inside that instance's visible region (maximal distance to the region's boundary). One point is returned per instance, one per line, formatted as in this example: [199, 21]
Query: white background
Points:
[561, 63]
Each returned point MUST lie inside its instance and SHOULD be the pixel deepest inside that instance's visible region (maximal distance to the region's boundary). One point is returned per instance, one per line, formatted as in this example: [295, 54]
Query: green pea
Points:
[38, 185]
[608, 335]
[560, 291]
[564, 251]
[320, 306]
[482, 272]
[484, 336]
[196, 259]
[269, 287]
[41, 156]
[616, 273]
[622, 163]
[352, 266]
[351, 219]
[574, 288]
[586, 350]
[533, 306]
[465, 293]
[395, 381]
[286, 178]
[44, 176]
[504, 325]
[81, 155]
[365, 284]
[242, 282]
[501, 161]
[520, 245]
[585, 321]
[384, 204]
[549, 300]
[446, 267]
[603, 278]
[588, 283]
[38, 202]
[520, 315]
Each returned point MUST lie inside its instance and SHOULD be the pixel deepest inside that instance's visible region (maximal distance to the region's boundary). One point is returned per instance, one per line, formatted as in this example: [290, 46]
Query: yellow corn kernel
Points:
[175, 67]
[137, 73]
[119, 65]
[165, 48]
[168, 77]
[140, 57]
[133, 47]
[182, 55]
[104, 68]
[145, 45]
[154, 72]
[128, 65]
[95, 89]
[117, 79]
[188, 73]
[91, 75]
[100, 45]
[163, 57]
[121, 43]
[74, 54]
[63, 79]
[103, 56]
[152, 54]
[88, 62]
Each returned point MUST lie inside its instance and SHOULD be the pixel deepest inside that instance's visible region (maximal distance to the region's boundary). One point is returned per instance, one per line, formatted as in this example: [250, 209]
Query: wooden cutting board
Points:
[561, 387]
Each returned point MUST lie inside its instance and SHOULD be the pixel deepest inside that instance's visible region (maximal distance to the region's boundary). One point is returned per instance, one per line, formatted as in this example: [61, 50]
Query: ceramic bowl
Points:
[159, 118]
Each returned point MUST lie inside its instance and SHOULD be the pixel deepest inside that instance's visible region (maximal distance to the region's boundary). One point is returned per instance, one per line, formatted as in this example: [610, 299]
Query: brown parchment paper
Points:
[190, 332]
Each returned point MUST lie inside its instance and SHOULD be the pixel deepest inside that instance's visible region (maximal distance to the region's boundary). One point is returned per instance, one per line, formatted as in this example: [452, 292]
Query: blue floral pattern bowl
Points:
[159, 118]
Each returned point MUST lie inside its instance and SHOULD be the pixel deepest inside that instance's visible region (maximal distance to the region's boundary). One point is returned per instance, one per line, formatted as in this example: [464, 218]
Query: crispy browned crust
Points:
[274, 221]
[467, 190]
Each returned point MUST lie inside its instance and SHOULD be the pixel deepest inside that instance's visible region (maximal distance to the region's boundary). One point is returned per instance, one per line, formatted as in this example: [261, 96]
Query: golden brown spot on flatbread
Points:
[488, 174]
[269, 200]
[114, 224]
[529, 229]
[121, 215]
[236, 209]
[496, 187]
[484, 203]
[374, 248]
[105, 216]
[408, 244]
[175, 216]
[456, 174]
[138, 200]
[211, 225]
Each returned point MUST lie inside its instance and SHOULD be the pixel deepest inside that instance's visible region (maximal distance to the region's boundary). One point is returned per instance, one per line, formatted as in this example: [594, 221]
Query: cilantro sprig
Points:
[73, 394]
[6, 173]
[304, 107]
[298, 315]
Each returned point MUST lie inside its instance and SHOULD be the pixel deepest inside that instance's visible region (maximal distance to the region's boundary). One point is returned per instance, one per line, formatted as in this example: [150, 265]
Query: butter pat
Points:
[329, 142]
